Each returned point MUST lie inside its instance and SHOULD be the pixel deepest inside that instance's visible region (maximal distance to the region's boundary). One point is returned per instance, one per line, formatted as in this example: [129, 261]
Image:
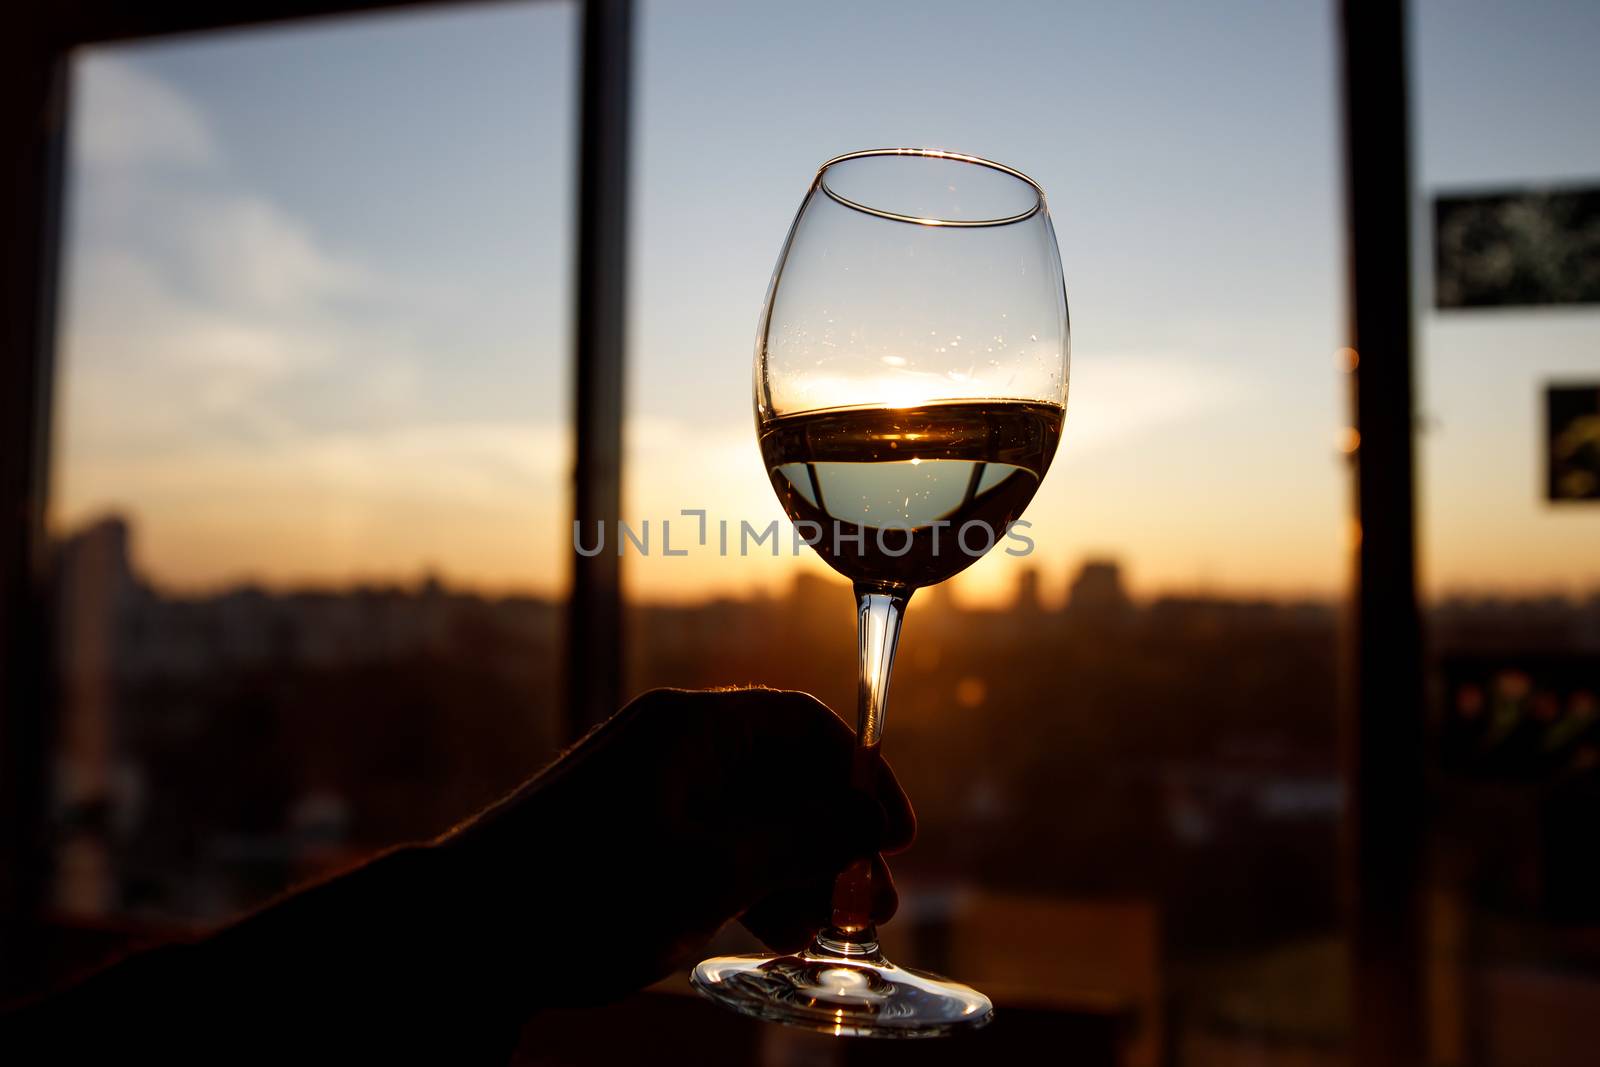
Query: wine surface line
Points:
[907, 485]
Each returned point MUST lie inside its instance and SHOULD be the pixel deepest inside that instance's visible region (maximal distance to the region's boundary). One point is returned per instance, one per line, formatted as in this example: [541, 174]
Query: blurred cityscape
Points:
[1121, 803]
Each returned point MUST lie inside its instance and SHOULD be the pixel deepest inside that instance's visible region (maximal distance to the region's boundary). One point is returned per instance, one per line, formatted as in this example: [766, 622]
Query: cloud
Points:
[471, 499]
[249, 254]
[193, 301]
[1117, 396]
[202, 321]
[471, 465]
[127, 118]
[146, 368]
[673, 464]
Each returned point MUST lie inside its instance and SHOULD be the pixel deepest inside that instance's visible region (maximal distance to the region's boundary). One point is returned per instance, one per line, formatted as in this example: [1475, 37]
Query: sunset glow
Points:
[292, 379]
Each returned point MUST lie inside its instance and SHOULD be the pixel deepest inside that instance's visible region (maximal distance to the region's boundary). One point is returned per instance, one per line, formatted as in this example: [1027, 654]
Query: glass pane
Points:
[1121, 748]
[1510, 570]
[311, 445]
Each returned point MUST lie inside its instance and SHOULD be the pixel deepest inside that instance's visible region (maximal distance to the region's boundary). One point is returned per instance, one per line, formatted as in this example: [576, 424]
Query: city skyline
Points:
[1027, 589]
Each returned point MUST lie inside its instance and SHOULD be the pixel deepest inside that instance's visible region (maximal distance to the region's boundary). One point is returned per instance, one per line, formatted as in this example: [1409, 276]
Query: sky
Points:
[316, 319]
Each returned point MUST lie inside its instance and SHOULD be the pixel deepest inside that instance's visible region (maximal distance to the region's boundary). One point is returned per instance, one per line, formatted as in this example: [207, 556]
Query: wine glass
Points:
[910, 387]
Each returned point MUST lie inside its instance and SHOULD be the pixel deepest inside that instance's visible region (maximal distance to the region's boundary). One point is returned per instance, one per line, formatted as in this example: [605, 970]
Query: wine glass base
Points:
[846, 997]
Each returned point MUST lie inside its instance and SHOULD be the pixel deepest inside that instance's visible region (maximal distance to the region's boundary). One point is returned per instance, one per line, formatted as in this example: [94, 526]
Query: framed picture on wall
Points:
[1516, 248]
[1572, 442]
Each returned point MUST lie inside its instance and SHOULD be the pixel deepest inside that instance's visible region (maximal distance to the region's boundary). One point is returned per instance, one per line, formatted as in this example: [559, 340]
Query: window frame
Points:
[1383, 674]
[36, 57]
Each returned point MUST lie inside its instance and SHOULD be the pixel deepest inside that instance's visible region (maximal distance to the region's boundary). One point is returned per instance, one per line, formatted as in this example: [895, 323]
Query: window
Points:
[1100, 738]
[312, 445]
[1511, 577]
[309, 488]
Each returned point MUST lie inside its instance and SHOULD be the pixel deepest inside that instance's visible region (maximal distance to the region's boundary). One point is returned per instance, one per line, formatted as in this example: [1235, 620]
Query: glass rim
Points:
[930, 153]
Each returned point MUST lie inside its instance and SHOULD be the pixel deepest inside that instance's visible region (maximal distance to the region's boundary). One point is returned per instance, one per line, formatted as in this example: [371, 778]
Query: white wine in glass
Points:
[910, 387]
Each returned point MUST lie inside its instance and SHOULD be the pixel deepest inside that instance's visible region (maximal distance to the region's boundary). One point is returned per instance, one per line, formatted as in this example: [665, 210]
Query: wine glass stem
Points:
[879, 610]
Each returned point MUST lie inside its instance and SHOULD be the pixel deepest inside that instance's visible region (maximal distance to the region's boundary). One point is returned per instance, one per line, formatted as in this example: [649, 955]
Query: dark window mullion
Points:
[594, 637]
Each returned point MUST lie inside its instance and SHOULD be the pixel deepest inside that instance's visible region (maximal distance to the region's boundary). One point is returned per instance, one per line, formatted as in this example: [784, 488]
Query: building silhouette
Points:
[1096, 593]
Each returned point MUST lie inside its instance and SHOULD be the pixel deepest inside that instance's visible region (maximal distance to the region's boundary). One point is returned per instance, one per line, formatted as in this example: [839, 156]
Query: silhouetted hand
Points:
[599, 875]
[683, 811]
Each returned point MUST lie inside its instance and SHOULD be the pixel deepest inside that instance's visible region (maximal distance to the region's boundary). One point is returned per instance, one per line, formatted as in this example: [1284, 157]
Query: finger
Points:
[797, 730]
[800, 839]
[899, 820]
[885, 898]
[799, 813]
[786, 920]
